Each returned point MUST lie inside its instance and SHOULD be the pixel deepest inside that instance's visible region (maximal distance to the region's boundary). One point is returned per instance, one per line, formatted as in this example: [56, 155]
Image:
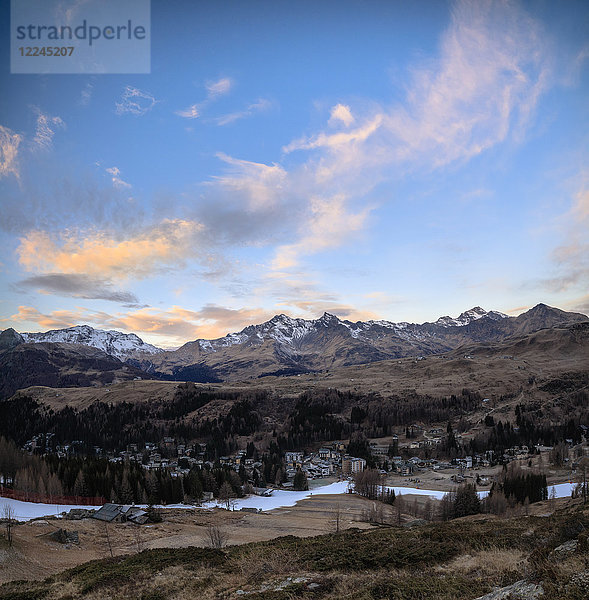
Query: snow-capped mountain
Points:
[289, 331]
[469, 316]
[285, 345]
[117, 344]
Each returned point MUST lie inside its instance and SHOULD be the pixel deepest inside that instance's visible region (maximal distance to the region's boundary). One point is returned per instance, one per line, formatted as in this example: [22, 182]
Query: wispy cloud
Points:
[220, 87]
[494, 64]
[135, 102]
[260, 184]
[328, 226]
[261, 105]
[86, 94]
[570, 259]
[115, 174]
[45, 129]
[9, 143]
[215, 89]
[192, 112]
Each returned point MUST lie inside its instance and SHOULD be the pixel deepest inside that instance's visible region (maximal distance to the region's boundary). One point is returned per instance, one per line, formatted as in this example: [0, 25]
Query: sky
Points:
[375, 160]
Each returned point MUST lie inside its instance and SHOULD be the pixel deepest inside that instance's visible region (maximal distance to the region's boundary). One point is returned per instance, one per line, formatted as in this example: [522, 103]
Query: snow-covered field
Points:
[282, 498]
[23, 511]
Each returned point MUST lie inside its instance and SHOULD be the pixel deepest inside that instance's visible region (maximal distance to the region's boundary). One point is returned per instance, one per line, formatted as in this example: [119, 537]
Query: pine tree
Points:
[300, 482]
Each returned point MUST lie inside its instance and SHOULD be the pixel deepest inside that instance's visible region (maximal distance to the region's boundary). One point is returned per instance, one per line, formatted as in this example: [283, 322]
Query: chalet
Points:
[120, 513]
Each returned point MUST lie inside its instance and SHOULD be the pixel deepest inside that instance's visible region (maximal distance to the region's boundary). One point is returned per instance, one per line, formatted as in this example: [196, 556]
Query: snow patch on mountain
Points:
[117, 344]
[288, 332]
[469, 316]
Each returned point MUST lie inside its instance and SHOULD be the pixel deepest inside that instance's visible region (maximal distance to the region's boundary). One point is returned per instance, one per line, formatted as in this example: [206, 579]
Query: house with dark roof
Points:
[120, 513]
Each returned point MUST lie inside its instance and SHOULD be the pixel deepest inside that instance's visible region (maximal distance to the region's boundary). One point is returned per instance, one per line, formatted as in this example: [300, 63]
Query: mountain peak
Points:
[327, 318]
[9, 338]
[116, 343]
[468, 316]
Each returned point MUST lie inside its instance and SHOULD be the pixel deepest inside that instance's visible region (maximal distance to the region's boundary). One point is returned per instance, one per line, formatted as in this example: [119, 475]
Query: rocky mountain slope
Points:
[57, 365]
[117, 344]
[287, 346]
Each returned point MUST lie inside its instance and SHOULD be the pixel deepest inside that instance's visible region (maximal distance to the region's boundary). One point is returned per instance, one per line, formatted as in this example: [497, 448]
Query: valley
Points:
[481, 402]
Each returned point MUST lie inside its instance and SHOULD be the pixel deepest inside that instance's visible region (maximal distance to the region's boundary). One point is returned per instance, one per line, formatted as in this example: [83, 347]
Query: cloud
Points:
[176, 325]
[86, 94]
[580, 210]
[493, 66]
[571, 259]
[260, 184]
[261, 105]
[9, 143]
[215, 89]
[45, 130]
[218, 88]
[135, 102]
[580, 304]
[78, 286]
[329, 225]
[341, 113]
[192, 112]
[100, 255]
[116, 179]
[58, 319]
[172, 326]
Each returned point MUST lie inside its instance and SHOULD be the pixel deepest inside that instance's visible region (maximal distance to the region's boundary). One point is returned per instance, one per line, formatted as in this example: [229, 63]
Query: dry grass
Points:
[504, 564]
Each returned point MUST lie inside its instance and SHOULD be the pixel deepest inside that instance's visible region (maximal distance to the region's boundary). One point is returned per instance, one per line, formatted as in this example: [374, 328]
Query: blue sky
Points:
[396, 160]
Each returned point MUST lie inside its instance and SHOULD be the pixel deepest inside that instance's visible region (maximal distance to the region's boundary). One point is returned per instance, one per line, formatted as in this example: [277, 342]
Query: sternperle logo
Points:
[69, 36]
[83, 31]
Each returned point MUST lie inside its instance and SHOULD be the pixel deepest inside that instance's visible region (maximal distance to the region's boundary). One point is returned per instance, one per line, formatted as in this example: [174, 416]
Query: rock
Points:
[579, 583]
[63, 536]
[416, 523]
[563, 551]
[313, 586]
[520, 590]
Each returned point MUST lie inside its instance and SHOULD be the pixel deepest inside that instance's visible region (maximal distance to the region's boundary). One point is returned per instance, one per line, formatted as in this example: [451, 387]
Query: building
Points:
[120, 513]
[352, 465]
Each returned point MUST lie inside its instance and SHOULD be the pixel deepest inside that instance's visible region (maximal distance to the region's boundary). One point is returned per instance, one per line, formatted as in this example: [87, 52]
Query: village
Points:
[329, 462]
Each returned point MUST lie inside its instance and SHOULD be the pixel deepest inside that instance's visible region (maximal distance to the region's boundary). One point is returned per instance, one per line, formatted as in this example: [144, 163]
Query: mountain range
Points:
[281, 346]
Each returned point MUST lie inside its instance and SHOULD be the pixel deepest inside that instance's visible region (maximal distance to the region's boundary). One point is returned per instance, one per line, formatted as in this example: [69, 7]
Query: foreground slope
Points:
[462, 559]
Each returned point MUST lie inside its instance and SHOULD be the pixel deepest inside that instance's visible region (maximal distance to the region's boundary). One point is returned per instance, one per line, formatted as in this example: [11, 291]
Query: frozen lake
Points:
[23, 511]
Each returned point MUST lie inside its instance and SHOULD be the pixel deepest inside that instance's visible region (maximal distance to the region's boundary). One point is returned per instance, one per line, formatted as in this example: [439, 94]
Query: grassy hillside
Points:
[459, 559]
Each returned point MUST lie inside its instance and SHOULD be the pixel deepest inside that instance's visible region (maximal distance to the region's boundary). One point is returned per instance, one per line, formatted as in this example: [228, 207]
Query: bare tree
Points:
[428, 510]
[399, 506]
[216, 537]
[226, 494]
[368, 483]
[108, 539]
[335, 522]
[138, 540]
[8, 516]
